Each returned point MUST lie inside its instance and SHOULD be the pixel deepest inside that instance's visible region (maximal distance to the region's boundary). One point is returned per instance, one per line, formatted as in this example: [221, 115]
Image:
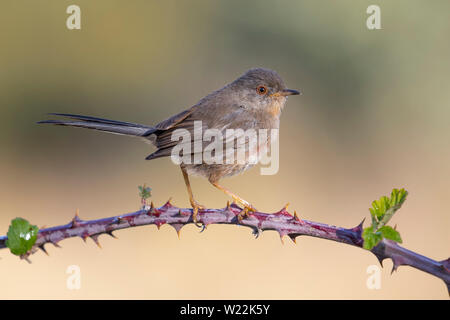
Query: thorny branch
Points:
[282, 222]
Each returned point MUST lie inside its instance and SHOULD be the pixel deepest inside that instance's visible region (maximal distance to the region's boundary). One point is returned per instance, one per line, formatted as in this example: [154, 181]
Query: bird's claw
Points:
[256, 232]
[245, 213]
[247, 206]
[195, 208]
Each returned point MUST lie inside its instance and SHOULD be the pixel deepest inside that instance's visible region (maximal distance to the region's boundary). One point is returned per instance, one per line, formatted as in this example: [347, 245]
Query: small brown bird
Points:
[253, 101]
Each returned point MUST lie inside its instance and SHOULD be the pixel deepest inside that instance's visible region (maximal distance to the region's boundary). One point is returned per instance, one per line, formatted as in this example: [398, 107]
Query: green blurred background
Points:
[374, 115]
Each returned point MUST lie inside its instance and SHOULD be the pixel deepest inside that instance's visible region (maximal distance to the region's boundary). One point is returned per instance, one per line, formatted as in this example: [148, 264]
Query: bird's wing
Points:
[216, 117]
[165, 129]
[174, 120]
[161, 137]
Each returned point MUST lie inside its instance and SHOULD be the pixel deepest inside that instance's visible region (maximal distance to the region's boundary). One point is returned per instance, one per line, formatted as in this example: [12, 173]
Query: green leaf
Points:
[388, 206]
[390, 233]
[381, 212]
[371, 238]
[21, 236]
[399, 195]
[144, 192]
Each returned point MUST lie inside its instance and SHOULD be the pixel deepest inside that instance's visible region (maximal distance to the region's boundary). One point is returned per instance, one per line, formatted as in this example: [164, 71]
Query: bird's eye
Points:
[262, 90]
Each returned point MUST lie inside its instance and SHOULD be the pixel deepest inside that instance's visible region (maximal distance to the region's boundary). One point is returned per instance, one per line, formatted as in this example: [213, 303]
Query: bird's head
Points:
[262, 89]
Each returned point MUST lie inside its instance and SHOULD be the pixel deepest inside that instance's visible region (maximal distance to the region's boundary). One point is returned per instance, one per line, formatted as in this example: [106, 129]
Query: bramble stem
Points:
[282, 222]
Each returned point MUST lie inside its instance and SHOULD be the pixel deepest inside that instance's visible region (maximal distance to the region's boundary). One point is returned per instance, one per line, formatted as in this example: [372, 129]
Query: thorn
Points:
[283, 211]
[75, 223]
[296, 216]
[151, 210]
[445, 264]
[397, 262]
[56, 244]
[84, 236]
[25, 257]
[159, 223]
[282, 234]
[154, 212]
[394, 268]
[228, 205]
[43, 248]
[380, 260]
[293, 238]
[177, 227]
[110, 233]
[95, 238]
[168, 204]
[359, 227]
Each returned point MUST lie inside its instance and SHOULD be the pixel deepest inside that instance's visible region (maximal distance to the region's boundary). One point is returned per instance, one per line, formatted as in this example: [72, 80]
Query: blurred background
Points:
[374, 115]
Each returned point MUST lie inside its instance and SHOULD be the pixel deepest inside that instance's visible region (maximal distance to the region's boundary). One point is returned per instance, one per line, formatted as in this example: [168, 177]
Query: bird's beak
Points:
[289, 92]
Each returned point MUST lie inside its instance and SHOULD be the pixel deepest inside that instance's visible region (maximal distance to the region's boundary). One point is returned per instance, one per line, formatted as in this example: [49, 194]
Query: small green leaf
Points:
[381, 212]
[388, 206]
[144, 192]
[21, 236]
[390, 233]
[371, 238]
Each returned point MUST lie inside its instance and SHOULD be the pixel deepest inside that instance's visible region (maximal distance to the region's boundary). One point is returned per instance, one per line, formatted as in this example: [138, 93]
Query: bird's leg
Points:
[247, 206]
[195, 205]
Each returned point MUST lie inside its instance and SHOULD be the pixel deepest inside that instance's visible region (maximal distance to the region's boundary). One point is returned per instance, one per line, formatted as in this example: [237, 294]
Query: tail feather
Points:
[99, 120]
[112, 126]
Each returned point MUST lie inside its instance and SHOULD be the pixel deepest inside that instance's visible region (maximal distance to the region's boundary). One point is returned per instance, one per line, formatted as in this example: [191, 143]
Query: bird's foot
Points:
[195, 208]
[248, 208]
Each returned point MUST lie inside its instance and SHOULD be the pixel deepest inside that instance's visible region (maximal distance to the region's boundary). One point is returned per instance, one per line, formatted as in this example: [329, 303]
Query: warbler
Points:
[253, 101]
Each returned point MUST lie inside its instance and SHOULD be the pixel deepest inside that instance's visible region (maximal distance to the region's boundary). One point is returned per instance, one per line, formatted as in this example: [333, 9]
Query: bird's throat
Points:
[276, 106]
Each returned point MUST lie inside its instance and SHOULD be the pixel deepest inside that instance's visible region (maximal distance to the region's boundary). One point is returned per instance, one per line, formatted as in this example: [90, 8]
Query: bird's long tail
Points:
[112, 126]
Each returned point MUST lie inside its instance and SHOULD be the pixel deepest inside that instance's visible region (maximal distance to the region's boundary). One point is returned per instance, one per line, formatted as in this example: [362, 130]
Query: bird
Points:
[254, 100]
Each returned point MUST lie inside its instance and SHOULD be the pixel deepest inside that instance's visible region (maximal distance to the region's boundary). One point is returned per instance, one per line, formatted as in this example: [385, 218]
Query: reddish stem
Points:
[282, 222]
